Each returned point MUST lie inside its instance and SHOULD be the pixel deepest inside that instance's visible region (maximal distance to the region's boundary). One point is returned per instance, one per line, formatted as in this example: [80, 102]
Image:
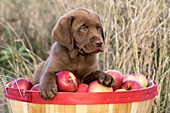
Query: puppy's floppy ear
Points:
[102, 34]
[62, 32]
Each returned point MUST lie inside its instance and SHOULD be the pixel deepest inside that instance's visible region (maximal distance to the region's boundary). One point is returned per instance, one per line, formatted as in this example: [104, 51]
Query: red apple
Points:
[131, 84]
[128, 77]
[66, 81]
[35, 87]
[22, 84]
[96, 87]
[141, 79]
[82, 87]
[117, 76]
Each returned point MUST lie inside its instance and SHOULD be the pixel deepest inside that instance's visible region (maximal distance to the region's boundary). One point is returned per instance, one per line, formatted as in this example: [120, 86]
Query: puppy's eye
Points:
[83, 28]
[99, 28]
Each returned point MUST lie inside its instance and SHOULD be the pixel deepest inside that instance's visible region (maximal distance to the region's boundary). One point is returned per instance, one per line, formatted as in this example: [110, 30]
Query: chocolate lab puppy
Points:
[79, 36]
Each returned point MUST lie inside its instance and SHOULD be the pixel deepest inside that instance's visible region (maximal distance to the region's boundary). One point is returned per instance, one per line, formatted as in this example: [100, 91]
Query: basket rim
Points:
[72, 98]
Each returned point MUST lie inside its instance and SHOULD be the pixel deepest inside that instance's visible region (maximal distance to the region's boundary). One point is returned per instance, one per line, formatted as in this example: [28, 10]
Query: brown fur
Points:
[79, 36]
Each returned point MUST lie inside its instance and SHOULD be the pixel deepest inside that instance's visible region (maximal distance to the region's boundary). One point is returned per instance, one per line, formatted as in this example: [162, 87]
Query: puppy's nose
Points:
[98, 43]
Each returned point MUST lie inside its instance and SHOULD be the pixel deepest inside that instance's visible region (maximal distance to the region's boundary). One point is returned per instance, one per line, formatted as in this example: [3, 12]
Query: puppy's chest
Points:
[82, 62]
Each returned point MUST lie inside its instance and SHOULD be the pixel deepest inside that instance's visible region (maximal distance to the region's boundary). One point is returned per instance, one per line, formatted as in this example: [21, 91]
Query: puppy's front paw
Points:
[106, 80]
[48, 90]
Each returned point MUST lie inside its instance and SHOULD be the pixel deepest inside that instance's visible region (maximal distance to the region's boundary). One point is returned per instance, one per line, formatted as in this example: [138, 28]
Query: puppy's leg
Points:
[46, 80]
[48, 87]
[37, 73]
[102, 78]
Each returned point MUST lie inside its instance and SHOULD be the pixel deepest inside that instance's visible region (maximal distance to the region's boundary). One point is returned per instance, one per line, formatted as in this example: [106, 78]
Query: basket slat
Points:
[16, 106]
[121, 108]
[80, 107]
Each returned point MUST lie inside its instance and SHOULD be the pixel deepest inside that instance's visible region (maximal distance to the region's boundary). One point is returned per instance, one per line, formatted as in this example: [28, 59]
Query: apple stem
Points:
[70, 79]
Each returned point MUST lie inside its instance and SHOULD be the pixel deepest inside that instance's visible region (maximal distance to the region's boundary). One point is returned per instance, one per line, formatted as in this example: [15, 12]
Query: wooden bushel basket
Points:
[133, 101]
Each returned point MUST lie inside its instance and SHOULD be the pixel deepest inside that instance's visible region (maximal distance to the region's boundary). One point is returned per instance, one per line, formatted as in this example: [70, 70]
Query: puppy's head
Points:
[80, 28]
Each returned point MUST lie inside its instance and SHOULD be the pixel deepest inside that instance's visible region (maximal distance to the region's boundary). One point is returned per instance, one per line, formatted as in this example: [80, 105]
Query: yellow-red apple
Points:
[96, 87]
[120, 90]
[128, 77]
[117, 76]
[141, 79]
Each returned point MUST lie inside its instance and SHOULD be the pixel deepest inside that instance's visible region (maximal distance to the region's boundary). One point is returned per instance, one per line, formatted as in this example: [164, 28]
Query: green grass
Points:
[137, 33]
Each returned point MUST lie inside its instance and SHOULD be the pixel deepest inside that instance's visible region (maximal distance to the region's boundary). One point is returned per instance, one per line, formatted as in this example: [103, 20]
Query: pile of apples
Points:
[67, 82]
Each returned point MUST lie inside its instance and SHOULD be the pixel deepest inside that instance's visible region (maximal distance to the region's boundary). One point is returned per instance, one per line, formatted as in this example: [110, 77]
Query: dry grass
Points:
[137, 33]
